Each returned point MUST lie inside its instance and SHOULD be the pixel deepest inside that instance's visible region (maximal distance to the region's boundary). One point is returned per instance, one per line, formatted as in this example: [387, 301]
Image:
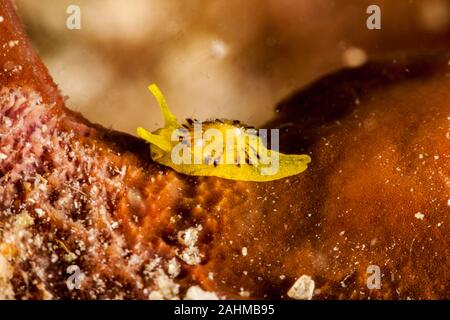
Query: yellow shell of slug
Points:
[205, 154]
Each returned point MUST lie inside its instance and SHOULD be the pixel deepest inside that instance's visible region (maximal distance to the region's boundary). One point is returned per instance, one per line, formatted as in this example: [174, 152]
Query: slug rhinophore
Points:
[220, 148]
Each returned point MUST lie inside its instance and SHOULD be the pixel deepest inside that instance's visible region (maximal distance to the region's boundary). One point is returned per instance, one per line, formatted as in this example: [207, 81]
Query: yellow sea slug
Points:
[220, 148]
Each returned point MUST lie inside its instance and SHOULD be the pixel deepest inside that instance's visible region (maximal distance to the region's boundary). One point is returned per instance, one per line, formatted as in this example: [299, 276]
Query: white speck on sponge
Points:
[419, 215]
[219, 49]
[40, 213]
[3, 156]
[191, 254]
[354, 57]
[13, 43]
[197, 293]
[173, 268]
[303, 288]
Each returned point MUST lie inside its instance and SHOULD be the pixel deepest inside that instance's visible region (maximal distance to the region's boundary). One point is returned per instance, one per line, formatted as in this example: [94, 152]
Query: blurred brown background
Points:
[216, 58]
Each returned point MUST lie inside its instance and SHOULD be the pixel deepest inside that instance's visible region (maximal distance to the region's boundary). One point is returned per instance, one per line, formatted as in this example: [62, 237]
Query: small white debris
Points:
[448, 202]
[173, 268]
[244, 293]
[23, 220]
[354, 57]
[244, 251]
[7, 121]
[3, 156]
[419, 215]
[54, 258]
[218, 49]
[155, 295]
[2, 19]
[189, 236]
[13, 43]
[40, 213]
[197, 293]
[134, 260]
[191, 254]
[166, 288]
[303, 288]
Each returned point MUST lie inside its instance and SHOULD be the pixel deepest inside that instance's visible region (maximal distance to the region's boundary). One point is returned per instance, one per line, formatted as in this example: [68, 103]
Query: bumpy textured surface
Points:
[376, 193]
[74, 194]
